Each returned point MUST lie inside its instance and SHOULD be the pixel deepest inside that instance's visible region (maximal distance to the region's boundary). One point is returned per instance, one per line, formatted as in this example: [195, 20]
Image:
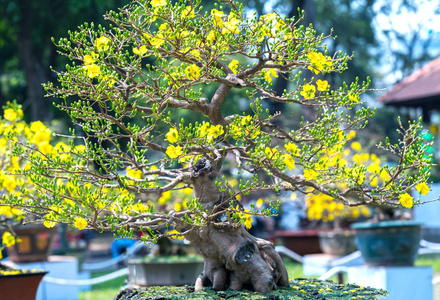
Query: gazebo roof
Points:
[421, 88]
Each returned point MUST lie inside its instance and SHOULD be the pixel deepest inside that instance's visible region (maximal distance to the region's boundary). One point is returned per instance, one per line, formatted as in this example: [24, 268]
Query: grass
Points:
[103, 291]
[109, 289]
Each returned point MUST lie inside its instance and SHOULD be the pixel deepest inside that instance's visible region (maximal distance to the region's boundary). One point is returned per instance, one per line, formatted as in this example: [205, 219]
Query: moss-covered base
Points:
[301, 289]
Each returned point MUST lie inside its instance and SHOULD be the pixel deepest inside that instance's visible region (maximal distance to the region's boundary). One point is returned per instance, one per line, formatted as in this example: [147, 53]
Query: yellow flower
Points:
[80, 223]
[231, 25]
[88, 59]
[178, 206]
[48, 220]
[356, 146]
[141, 51]
[45, 148]
[353, 97]
[384, 175]
[217, 15]
[248, 222]
[373, 180]
[292, 148]
[422, 188]
[173, 151]
[215, 131]
[158, 3]
[319, 62]
[310, 174]
[322, 85]
[187, 12]
[268, 74]
[102, 43]
[12, 115]
[233, 65]
[8, 239]
[288, 160]
[192, 72]
[134, 173]
[270, 152]
[92, 70]
[406, 200]
[165, 197]
[259, 203]
[308, 91]
[351, 135]
[172, 135]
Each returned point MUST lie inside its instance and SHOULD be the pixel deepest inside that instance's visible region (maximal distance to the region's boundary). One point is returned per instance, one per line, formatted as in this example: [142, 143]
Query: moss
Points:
[301, 289]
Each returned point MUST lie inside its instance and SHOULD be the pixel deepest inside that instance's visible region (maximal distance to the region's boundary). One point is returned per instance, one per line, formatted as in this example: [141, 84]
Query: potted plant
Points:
[140, 89]
[19, 284]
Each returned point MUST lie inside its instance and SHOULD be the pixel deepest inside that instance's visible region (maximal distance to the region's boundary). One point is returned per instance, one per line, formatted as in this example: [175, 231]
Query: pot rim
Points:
[384, 224]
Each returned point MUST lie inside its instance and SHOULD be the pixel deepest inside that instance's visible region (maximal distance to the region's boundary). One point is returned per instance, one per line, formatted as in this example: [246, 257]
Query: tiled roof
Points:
[422, 83]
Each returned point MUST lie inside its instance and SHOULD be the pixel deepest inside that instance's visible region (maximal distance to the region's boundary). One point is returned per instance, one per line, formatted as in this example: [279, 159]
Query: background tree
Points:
[124, 99]
[27, 52]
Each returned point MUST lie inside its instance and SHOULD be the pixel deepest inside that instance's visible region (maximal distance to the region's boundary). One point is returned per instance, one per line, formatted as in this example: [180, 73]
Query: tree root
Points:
[235, 259]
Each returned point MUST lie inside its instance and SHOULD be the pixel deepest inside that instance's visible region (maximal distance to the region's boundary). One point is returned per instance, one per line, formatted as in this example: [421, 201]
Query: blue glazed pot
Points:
[388, 243]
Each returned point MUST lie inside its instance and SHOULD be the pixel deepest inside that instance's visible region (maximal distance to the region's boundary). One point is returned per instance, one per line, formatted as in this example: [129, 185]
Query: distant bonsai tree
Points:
[130, 89]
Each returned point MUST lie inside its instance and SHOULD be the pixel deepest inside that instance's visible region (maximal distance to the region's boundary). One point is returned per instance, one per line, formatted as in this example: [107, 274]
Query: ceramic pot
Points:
[388, 243]
[35, 245]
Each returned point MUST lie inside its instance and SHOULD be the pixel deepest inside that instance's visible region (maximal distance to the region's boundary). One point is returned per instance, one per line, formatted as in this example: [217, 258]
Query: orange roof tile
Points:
[422, 83]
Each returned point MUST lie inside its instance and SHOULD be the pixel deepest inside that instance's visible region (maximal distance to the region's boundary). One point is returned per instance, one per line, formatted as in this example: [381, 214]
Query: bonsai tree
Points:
[133, 91]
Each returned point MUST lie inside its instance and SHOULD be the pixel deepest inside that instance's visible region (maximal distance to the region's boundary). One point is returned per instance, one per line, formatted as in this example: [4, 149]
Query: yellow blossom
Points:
[158, 3]
[172, 135]
[319, 62]
[406, 200]
[292, 148]
[174, 151]
[141, 50]
[356, 146]
[218, 17]
[8, 239]
[310, 174]
[165, 197]
[12, 115]
[102, 43]
[351, 135]
[187, 12]
[233, 65]
[354, 98]
[322, 85]
[268, 74]
[384, 175]
[88, 59]
[231, 25]
[177, 206]
[308, 91]
[80, 223]
[92, 70]
[288, 160]
[248, 222]
[192, 72]
[260, 202]
[422, 188]
[215, 131]
[134, 173]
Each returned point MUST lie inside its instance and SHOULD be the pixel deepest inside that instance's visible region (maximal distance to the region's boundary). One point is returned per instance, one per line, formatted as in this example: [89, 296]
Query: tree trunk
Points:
[233, 258]
[33, 69]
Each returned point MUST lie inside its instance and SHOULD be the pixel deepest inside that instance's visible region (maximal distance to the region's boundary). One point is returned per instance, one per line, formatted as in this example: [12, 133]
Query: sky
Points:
[425, 21]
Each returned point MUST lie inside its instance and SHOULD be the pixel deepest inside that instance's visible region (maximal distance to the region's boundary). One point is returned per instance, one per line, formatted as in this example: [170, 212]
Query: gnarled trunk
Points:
[233, 258]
